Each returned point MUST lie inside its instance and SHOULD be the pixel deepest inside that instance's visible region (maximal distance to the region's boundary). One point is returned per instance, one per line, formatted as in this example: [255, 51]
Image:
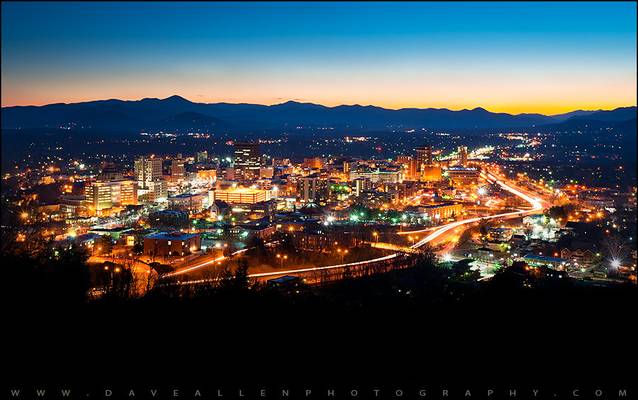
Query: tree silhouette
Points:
[105, 244]
[562, 212]
[235, 282]
[484, 225]
[462, 271]
[258, 246]
[50, 277]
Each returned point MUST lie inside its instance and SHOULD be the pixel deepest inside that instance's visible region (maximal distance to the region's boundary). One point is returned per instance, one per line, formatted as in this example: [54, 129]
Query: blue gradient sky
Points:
[511, 57]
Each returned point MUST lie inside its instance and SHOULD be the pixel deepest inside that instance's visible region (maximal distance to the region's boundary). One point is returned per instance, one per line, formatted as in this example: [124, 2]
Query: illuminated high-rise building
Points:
[156, 191]
[361, 185]
[247, 161]
[410, 165]
[313, 189]
[148, 170]
[462, 155]
[103, 195]
[346, 167]
[177, 169]
[151, 185]
[424, 157]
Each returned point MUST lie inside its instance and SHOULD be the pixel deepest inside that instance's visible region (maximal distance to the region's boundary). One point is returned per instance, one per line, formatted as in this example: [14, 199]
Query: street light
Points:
[615, 263]
[376, 236]
[342, 253]
[281, 259]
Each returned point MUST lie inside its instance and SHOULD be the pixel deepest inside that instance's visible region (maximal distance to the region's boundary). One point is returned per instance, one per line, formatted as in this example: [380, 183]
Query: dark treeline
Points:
[429, 319]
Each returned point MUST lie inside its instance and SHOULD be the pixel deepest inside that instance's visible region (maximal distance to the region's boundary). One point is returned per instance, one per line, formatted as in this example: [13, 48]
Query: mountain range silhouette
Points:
[178, 113]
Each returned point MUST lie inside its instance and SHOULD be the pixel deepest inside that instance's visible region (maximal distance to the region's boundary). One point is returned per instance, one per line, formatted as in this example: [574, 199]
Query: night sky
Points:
[516, 57]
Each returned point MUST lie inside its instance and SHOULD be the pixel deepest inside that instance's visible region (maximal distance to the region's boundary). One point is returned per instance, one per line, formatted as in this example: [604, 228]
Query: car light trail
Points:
[198, 266]
[536, 206]
[297, 271]
[292, 271]
[417, 231]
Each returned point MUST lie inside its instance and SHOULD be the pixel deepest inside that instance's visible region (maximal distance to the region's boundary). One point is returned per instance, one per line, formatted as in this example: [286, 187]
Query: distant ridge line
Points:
[176, 112]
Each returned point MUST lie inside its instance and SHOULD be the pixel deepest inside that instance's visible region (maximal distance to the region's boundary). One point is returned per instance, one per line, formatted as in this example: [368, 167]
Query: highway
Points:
[536, 204]
[437, 233]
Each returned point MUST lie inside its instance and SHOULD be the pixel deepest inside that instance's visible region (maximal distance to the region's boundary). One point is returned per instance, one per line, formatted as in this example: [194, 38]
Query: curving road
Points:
[200, 265]
[536, 203]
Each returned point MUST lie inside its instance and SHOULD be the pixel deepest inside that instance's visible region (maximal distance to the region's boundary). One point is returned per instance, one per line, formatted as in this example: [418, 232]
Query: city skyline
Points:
[516, 58]
[396, 199]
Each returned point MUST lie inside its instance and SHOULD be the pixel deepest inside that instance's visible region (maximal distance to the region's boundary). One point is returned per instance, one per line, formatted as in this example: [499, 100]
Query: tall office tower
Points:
[361, 185]
[462, 155]
[313, 189]
[412, 170]
[424, 157]
[410, 165]
[98, 195]
[147, 170]
[103, 195]
[247, 161]
[202, 156]
[158, 191]
[346, 167]
[177, 169]
[349, 166]
[128, 193]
